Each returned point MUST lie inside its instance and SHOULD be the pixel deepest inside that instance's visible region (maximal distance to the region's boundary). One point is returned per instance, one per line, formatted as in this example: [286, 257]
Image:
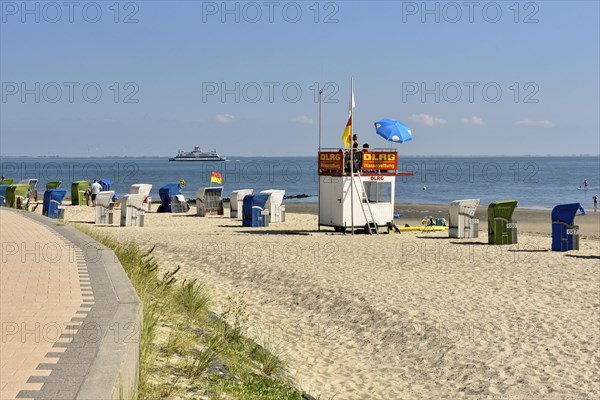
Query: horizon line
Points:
[231, 158]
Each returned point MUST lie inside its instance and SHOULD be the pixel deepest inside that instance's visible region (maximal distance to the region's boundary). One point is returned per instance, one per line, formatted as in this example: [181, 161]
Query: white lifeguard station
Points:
[363, 198]
[104, 208]
[132, 211]
[209, 201]
[144, 189]
[236, 202]
[462, 222]
[273, 204]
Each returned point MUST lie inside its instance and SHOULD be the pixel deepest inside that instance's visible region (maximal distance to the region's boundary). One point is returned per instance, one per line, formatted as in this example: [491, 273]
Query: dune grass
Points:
[188, 352]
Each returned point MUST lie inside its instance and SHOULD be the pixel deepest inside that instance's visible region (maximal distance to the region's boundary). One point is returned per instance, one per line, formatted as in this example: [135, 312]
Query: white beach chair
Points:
[104, 208]
[462, 221]
[209, 201]
[276, 209]
[132, 211]
[237, 201]
[32, 193]
[179, 204]
[142, 188]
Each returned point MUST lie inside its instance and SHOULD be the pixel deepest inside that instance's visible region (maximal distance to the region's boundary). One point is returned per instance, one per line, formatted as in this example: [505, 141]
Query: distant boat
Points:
[198, 155]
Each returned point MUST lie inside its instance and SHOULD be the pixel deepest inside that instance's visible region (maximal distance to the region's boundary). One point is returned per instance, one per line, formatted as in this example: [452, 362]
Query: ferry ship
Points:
[198, 155]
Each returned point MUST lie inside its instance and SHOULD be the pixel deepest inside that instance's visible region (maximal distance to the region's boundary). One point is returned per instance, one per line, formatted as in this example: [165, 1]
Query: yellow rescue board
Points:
[422, 228]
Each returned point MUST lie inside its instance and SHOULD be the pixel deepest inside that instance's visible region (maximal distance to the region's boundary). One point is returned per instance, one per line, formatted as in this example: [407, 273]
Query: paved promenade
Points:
[70, 319]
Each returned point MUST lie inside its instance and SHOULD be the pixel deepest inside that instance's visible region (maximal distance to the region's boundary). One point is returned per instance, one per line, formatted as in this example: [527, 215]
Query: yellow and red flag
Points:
[216, 177]
[347, 135]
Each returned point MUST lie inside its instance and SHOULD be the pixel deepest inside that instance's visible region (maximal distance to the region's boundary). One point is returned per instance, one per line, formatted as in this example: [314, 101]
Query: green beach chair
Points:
[16, 196]
[501, 228]
[78, 189]
[7, 181]
[53, 184]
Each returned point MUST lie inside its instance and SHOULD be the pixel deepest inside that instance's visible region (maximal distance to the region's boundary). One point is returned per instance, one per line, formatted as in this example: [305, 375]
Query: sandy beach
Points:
[410, 316]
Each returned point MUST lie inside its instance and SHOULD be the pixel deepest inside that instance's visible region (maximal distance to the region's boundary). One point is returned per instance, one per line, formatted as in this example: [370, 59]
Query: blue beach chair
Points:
[165, 193]
[565, 235]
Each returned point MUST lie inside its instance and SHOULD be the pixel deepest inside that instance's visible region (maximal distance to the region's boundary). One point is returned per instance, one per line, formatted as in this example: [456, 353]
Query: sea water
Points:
[536, 182]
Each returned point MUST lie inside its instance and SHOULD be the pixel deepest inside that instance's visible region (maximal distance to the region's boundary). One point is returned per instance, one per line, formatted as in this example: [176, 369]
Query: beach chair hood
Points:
[105, 198]
[466, 207]
[566, 213]
[141, 188]
[502, 209]
[165, 192]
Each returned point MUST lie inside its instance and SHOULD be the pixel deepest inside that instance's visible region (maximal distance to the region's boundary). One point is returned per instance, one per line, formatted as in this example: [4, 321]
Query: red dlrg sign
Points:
[331, 161]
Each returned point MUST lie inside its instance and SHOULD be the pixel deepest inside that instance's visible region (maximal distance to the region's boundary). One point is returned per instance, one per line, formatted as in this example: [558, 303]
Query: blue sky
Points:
[240, 76]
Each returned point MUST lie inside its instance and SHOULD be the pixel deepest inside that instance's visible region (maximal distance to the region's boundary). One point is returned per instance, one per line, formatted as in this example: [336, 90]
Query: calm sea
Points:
[537, 182]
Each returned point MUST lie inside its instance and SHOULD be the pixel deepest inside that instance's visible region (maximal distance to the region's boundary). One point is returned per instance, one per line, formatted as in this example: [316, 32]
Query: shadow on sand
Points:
[584, 257]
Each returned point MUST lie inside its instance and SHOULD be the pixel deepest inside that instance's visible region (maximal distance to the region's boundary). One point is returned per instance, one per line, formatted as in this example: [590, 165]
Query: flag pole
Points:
[318, 176]
[351, 156]
[320, 96]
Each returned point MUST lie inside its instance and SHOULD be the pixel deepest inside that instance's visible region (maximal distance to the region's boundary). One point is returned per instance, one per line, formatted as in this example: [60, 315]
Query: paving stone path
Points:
[58, 312]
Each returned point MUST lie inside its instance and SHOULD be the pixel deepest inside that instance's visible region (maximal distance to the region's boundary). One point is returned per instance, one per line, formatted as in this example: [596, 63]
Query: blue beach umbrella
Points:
[393, 131]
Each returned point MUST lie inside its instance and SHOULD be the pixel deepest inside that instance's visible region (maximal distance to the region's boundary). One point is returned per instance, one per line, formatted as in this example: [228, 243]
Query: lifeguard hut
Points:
[358, 197]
